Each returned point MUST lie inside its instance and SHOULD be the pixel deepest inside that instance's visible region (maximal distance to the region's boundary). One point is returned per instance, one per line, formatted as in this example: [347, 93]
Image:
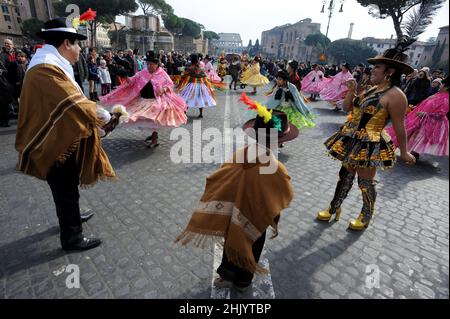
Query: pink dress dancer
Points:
[212, 75]
[336, 89]
[151, 101]
[312, 83]
[427, 126]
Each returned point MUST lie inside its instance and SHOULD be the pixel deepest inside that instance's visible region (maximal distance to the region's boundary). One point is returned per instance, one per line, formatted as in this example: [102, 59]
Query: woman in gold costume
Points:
[362, 145]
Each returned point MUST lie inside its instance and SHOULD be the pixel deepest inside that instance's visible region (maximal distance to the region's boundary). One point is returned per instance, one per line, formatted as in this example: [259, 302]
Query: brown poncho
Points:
[239, 204]
[56, 120]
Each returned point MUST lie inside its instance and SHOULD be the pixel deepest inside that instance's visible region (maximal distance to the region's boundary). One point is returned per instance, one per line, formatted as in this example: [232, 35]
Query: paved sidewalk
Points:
[139, 216]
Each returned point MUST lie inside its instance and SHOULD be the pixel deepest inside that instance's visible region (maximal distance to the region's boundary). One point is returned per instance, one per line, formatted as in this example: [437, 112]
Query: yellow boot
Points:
[325, 215]
[359, 224]
[369, 195]
[343, 187]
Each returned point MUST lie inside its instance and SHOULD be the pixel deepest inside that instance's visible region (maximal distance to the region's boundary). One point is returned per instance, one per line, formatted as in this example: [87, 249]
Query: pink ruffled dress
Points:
[165, 110]
[212, 75]
[336, 88]
[312, 83]
[427, 126]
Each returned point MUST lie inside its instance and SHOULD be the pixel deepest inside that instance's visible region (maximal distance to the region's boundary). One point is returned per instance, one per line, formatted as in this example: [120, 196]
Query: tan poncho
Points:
[239, 204]
[56, 120]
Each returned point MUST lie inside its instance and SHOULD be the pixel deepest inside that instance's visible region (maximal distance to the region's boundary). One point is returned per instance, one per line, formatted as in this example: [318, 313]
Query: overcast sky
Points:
[251, 17]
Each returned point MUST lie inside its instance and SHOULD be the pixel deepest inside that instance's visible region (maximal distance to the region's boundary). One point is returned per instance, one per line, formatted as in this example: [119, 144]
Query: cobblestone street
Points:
[139, 216]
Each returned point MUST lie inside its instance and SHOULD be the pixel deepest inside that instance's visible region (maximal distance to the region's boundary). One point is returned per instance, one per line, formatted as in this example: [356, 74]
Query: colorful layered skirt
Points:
[197, 92]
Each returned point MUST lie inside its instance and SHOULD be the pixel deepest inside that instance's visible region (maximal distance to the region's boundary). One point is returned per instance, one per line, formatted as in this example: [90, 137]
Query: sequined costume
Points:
[362, 141]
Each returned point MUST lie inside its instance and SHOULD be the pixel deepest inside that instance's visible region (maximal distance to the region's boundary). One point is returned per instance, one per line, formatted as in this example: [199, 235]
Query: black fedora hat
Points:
[268, 120]
[151, 57]
[56, 28]
[293, 64]
[283, 74]
[288, 131]
[194, 58]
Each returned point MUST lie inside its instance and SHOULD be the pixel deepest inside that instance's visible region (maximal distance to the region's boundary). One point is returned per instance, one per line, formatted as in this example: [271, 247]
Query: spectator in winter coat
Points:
[20, 68]
[105, 78]
[6, 96]
[93, 78]
[419, 89]
[80, 70]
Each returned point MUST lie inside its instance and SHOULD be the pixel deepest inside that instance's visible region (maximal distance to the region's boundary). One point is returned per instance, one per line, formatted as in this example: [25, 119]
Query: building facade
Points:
[39, 9]
[188, 44]
[270, 41]
[14, 12]
[145, 33]
[228, 43]
[287, 41]
[441, 40]
[12, 15]
[418, 53]
[379, 45]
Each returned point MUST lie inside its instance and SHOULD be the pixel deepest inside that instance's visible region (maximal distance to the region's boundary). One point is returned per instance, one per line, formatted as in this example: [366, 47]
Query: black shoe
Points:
[152, 141]
[84, 244]
[87, 215]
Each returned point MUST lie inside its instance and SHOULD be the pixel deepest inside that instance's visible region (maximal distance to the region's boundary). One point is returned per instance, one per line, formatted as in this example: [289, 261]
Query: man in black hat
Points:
[57, 137]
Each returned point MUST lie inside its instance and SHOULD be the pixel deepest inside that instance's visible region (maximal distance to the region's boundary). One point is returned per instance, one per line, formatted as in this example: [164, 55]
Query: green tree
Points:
[191, 28]
[396, 10]
[107, 10]
[318, 41]
[182, 26]
[351, 51]
[255, 49]
[155, 7]
[210, 35]
[30, 27]
[173, 23]
[256, 46]
[118, 38]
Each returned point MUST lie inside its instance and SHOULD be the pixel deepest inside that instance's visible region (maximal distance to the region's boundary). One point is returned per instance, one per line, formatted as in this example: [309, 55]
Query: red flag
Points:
[88, 15]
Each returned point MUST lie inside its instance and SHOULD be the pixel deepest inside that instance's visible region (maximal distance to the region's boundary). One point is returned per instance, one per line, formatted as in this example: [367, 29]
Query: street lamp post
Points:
[331, 6]
[331, 11]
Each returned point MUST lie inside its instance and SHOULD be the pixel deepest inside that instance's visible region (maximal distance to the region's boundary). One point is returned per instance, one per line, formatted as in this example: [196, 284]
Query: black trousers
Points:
[63, 181]
[80, 82]
[241, 277]
[4, 113]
